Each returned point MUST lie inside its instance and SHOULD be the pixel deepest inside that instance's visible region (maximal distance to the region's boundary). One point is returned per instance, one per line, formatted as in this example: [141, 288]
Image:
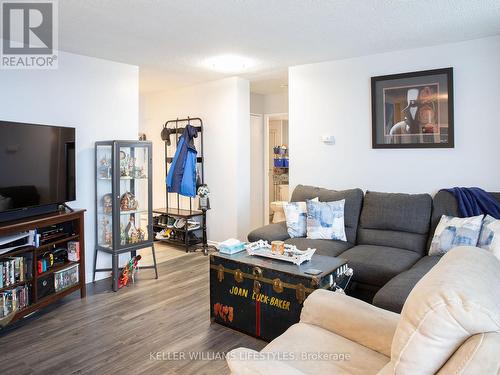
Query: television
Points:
[37, 168]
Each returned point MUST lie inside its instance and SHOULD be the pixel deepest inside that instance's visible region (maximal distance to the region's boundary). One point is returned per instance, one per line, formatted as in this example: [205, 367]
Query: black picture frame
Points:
[427, 119]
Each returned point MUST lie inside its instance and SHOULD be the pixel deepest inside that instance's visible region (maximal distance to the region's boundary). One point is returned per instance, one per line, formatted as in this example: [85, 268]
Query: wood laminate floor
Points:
[116, 333]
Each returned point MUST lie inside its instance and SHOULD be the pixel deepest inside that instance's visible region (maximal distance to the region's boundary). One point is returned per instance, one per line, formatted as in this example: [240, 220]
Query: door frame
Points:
[261, 118]
[267, 118]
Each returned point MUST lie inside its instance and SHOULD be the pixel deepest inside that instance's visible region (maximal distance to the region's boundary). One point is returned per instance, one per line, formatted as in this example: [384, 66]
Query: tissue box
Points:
[231, 247]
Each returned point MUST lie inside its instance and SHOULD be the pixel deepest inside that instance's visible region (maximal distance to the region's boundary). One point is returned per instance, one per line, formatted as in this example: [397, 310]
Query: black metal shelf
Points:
[180, 242]
[163, 226]
[178, 212]
[169, 159]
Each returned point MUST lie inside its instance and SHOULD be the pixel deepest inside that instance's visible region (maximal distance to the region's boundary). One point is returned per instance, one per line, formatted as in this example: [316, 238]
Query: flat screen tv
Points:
[37, 166]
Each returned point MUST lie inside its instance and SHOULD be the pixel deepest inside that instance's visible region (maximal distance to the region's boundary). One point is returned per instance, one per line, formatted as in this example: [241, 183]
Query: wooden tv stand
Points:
[75, 221]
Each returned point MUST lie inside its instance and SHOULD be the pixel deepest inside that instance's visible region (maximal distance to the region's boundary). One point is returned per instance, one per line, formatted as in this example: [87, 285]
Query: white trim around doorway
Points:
[267, 118]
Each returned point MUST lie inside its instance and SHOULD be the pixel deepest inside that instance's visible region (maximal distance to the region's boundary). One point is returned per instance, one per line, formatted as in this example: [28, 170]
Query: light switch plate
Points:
[328, 139]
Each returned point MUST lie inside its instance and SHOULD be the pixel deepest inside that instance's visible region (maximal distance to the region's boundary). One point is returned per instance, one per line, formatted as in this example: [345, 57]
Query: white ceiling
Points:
[170, 39]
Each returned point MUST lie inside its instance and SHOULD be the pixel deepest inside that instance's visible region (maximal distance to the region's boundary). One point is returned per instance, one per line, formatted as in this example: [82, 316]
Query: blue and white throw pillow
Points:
[325, 220]
[455, 231]
[295, 215]
[489, 238]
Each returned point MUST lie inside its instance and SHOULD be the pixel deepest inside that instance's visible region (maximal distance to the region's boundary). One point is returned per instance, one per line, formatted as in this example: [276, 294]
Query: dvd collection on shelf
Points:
[18, 297]
[16, 272]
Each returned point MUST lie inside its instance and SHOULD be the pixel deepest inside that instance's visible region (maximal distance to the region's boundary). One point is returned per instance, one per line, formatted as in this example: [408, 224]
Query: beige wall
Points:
[224, 106]
[333, 98]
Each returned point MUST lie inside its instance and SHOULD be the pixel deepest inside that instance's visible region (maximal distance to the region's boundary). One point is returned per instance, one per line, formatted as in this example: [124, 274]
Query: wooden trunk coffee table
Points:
[263, 297]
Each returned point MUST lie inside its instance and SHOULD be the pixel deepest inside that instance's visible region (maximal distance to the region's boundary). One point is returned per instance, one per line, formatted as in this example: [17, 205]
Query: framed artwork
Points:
[413, 110]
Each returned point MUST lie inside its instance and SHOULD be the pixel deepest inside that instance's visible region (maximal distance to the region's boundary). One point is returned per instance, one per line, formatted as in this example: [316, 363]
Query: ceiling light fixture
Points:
[229, 63]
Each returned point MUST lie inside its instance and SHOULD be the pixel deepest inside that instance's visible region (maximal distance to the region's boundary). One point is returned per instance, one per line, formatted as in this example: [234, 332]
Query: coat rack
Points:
[172, 130]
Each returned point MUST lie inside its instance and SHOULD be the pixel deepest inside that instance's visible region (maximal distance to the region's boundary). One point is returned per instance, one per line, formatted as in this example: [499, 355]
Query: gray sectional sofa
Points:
[388, 237]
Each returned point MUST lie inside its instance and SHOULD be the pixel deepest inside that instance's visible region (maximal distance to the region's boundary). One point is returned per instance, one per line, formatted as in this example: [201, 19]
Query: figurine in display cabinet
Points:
[128, 202]
[107, 204]
[107, 234]
[105, 168]
[142, 234]
[124, 164]
[133, 237]
[131, 233]
[139, 172]
[131, 167]
[123, 235]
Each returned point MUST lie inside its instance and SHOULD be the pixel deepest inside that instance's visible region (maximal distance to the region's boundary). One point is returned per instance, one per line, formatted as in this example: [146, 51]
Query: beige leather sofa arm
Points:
[351, 318]
[244, 361]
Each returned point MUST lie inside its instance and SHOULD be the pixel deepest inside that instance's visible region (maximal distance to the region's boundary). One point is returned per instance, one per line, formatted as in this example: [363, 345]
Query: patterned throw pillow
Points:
[325, 220]
[295, 215]
[455, 231]
[489, 238]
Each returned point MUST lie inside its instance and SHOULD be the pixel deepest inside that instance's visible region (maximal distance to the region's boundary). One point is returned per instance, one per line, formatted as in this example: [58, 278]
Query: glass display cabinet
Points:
[123, 201]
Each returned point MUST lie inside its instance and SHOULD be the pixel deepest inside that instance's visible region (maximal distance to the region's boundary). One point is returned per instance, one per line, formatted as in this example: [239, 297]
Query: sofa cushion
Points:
[489, 239]
[457, 299]
[325, 220]
[296, 218]
[396, 220]
[478, 355]
[323, 247]
[455, 231]
[358, 359]
[393, 295]
[353, 201]
[444, 203]
[271, 232]
[376, 265]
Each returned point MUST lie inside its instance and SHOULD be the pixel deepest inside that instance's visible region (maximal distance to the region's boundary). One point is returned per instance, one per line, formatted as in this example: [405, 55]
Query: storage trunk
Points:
[263, 297]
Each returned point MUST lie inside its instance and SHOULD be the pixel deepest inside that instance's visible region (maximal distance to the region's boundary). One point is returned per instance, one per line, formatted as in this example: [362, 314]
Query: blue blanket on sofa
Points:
[475, 201]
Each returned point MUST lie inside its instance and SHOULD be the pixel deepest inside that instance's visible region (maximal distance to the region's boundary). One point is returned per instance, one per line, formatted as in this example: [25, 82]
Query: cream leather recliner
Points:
[450, 324]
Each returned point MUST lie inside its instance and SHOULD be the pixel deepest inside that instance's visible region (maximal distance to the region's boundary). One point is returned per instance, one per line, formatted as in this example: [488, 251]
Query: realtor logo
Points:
[29, 34]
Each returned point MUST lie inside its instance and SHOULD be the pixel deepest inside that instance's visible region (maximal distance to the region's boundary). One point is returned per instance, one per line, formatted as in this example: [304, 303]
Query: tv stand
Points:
[41, 285]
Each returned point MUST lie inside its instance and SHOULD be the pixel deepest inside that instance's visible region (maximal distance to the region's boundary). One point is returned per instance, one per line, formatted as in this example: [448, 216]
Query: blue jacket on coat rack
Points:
[181, 177]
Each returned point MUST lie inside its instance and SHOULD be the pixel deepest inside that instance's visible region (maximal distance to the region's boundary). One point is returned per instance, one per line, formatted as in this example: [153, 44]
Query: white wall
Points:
[334, 98]
[257, 103]
[224, 106]
[97, 97]
[269, 104]
[276, 103]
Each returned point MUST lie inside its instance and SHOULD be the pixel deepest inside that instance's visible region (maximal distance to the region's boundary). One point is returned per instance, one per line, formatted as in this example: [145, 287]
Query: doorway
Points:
[276, 163]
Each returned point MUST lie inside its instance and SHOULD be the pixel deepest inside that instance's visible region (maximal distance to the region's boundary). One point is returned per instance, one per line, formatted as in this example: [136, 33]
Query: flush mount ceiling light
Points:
[229, 63]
